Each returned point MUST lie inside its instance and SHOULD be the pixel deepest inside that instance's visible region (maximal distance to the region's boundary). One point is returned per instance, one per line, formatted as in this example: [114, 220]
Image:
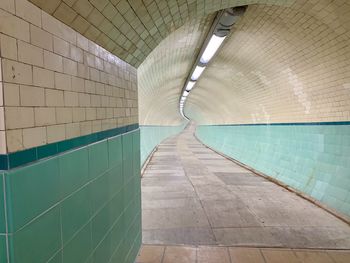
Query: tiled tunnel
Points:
[249, 161]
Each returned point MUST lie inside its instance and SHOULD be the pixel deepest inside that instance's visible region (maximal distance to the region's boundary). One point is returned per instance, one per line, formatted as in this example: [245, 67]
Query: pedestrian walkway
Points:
[204, 254]
[193, 196]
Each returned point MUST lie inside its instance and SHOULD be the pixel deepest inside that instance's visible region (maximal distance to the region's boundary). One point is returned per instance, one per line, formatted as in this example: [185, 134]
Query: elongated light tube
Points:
[190, 85]
[213, 46]
[185, 94]
[197, 73]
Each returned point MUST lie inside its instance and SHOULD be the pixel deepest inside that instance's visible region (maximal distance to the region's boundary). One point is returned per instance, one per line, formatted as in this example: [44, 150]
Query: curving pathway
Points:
[193, 196]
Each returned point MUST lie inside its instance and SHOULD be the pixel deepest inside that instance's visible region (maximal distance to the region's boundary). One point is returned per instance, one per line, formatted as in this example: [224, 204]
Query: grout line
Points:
[261, 254]
[229, 254]
[163, 256]
[54, 255]
[6, 219]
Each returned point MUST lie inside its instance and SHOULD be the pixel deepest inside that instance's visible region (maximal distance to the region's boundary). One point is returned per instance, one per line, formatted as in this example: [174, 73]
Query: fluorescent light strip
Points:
[190, 85]
[213, 46]
[197, 72]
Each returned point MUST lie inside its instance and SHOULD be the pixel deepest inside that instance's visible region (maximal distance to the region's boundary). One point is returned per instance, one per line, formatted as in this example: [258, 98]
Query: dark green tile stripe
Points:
[20, 158]
[284, 124]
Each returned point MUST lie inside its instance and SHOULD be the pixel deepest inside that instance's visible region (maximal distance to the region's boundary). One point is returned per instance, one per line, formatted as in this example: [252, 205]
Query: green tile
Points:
[115, 151]
[151, 136]
[74, 170]
[38, 241]
[120, 253]
[76, 212]
[115, 180]
[103, 251]
[104, 220]
[2, 205]
[100, 191]
[125, 250]
[3, 250]
[127, 157]
[79, 249]
[129, 192]
[117, 233]
[47, 150]
[302, 156]
[98, 159]
[133, 252]
[30, 191]
[131, 213]
[136, 154]
[17, 159]
[57, 258]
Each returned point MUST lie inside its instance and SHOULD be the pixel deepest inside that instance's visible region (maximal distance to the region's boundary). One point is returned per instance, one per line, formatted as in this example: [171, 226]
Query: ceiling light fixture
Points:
[190, 85]
[213, 46]
[218, 32]
[197, 72]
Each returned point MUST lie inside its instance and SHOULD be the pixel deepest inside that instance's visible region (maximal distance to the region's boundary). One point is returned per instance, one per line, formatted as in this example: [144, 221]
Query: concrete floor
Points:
[204, 254]
[193, 196]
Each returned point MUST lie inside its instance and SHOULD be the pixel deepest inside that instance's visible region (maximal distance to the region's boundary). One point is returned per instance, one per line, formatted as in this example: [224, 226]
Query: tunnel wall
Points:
[70, 144]
[78, 206]
[310, 157]
[152, 135]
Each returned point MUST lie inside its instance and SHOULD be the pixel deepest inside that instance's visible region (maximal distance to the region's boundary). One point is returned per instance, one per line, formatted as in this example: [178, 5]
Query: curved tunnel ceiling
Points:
[162, 75]
[131, 29]
[285, 60]
[279, 65]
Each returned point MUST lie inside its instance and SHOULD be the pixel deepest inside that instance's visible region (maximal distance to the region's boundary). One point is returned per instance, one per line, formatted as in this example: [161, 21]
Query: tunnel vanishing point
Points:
[179, 131]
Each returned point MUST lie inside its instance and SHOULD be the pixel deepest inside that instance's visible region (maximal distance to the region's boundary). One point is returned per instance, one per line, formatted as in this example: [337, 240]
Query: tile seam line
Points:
[282, 124]
[6, 219]
[329, 210]
[251, 246]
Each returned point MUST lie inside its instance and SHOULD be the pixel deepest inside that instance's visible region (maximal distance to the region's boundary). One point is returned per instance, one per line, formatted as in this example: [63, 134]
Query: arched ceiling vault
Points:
[131, 29]
[284, 61]
[162, 75]
[279, 64]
